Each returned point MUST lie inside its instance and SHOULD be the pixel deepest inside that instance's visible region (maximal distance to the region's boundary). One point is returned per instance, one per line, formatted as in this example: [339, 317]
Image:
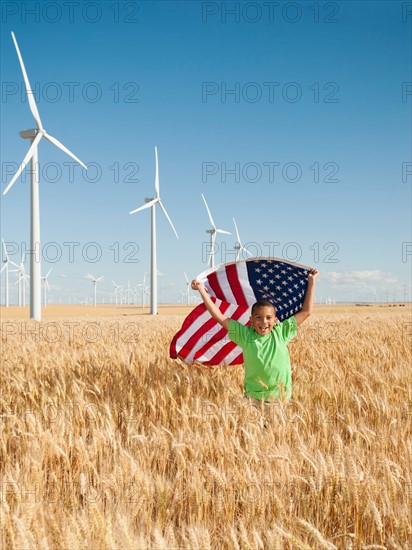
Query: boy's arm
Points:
[307, 306]
[211, 307]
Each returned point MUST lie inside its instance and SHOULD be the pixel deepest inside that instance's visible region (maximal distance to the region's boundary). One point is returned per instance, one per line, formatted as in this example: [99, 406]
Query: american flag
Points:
[235, 287]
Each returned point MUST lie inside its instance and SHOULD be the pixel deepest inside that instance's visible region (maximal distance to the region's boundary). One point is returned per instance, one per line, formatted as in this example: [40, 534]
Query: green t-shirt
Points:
[267, 362]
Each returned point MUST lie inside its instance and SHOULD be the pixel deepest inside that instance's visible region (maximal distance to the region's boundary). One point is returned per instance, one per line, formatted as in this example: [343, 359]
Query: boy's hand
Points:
[313, 275]
[197, 285]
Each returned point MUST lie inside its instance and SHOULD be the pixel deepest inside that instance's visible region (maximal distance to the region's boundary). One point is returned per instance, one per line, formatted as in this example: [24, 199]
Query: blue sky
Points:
[293, 117]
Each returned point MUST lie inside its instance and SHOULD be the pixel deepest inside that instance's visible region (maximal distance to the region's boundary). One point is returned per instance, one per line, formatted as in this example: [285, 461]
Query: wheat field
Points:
[106, 443]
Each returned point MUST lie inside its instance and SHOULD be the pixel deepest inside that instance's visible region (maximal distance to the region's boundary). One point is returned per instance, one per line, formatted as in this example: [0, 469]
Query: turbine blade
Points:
[88, 276]
[60, 145]
[48, 273]
[187, 280]
[3, 268]
[157, 183]
[30, 97]
[208, 211]
[223, 232]
[25, 161]
[167, 216]
[147, 205]
[99, 279]
[237, 232]
[5, 250]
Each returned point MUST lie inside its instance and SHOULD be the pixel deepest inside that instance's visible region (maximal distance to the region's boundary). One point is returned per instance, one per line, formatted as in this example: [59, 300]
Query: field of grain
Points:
[106, 443]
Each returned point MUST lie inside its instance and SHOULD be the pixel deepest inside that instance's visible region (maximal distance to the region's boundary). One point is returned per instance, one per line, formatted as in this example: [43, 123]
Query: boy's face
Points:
[263, 319]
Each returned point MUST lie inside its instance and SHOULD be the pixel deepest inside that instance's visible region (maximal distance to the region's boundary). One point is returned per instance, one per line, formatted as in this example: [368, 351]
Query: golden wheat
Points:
[106, 443]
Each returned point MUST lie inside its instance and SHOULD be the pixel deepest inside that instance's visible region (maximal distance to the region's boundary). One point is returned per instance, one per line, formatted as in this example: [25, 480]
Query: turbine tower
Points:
[239, 246]
[5, 268]
[94, 284]
[212, 232]
[46, 287]
[35, 135]
[151, 203]
[188, 292]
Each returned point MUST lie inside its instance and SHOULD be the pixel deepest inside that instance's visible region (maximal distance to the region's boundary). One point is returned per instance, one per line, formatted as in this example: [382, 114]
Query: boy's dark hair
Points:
[262, 303]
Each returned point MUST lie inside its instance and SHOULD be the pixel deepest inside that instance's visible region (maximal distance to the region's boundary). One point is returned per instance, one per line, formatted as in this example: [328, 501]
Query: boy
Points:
[264, 343]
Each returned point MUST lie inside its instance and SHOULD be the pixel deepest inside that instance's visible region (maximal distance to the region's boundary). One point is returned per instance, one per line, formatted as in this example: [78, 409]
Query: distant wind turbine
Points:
[94, 284]
[117, 289]
[239, 246]
[145, 289]
[151, 203]
[128, 291]
[46, 287]
[213, 233]
[35, 135]
[188, 289]
[5, 268]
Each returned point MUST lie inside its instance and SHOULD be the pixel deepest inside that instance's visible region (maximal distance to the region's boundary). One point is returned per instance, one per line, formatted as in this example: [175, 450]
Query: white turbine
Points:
[145, 289]
[212, 232]
[5, 268]
[239, 246]
[94, 284]
[127, 291]
[46, 287]
[151, 203]
[21, 281]
[188, 289]
[35, 135]
[117, 289]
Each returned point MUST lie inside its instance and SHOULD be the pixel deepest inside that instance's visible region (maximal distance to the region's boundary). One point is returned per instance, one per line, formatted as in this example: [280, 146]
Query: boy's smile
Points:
[263, 320]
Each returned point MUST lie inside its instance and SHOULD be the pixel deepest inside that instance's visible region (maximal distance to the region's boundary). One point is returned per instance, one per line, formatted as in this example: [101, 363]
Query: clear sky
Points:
[292, 117]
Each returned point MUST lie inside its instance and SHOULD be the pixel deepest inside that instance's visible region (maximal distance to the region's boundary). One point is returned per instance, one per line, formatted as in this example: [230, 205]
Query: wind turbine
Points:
[21, 281]
[117, 289]
[188, 289]
[35, 135]
[5, 268]
[94, 284]
[46, 287]
[145, 289]
[151, 203]
[127, 291]
[212, 232]
[239, 246]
